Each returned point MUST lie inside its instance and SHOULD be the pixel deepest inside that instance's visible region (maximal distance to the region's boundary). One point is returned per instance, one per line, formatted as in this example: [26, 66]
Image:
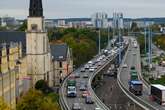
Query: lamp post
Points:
[119, 46]
[99, 42]
[99, 38]
[109, 43]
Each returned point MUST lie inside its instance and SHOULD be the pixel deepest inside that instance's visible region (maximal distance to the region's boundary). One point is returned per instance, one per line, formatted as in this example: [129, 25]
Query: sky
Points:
[85, 8]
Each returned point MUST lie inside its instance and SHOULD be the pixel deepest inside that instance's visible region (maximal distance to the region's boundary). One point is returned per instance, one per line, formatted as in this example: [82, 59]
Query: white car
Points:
[125, 65]
[90, 62]
[98, 108]
[91, 69]
[99, 64]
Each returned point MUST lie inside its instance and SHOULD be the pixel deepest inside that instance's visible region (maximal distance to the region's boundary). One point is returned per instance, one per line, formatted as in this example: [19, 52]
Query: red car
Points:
[85, 94]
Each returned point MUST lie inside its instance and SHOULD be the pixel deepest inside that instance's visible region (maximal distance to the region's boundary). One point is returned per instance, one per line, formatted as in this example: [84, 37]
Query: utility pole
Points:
[150, 48]
[119, 45]
[145, 38]
[99, 42]
[109, 43]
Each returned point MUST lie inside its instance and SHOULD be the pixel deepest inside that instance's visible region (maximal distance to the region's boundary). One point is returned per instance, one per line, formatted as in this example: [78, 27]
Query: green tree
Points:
[23, 27]
[36, 100]
[134, 27]
[84, 42]
[3, 105]
[43, 86]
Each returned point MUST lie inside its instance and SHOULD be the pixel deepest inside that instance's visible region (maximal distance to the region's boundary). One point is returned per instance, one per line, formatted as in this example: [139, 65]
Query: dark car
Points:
[132, 67]
[76, 106]
[89, 100]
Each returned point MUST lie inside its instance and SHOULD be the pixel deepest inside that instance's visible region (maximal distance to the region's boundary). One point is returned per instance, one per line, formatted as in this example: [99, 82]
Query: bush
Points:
[36, 100]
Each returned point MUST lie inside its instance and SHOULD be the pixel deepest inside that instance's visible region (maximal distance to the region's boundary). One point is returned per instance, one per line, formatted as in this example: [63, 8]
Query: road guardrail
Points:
[134, 98]
[62, 100]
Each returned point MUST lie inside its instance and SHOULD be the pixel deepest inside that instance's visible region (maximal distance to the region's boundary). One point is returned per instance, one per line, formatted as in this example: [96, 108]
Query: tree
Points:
[42, 86]
[36, 100]
[23, 27]
[134, 27]
[3, 105]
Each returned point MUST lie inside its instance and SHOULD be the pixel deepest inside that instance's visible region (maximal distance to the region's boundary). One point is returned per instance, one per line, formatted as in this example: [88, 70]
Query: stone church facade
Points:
[37, 44]
[31, 58]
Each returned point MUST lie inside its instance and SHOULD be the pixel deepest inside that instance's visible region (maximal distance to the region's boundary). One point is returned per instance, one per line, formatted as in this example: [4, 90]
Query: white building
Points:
[118, 21]
[61, 23]
[100, 20]
[50, 24]
[8, 21]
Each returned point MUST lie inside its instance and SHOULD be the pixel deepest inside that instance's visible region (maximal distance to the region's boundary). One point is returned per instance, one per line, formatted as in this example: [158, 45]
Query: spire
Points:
[35, 9]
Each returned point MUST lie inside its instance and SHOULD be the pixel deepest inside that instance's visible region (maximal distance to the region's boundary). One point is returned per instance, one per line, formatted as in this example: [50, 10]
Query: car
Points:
[77, 75]
[95, 67]
[85, 94]
[97, 108]
[72, 76]
[83, 87]
[76, 106]
[104, 60]
[71, 91]
[98, 60]
[82, 70]
[86, 67]
[90, 62]
[99, 64]
[89, 100]
[91, 69]
[85, 75]
[133, 53]
[132, 67]
[125, 65]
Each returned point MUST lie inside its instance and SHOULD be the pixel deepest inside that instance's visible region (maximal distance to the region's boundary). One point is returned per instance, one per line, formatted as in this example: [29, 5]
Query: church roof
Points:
[12, 36]
[7, 37]
[59, 51]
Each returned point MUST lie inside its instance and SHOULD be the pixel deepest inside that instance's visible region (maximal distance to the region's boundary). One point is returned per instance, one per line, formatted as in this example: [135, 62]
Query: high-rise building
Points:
[8, 21]
[118, 20]
[100, 20]
[37, 44]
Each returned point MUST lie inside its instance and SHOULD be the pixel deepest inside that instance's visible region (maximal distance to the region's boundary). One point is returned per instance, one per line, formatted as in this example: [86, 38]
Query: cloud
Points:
[18, 13]
[84, 8]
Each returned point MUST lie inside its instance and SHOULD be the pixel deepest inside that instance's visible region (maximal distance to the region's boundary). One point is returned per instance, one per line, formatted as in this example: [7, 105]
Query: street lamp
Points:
[99, 35]
[109, 43]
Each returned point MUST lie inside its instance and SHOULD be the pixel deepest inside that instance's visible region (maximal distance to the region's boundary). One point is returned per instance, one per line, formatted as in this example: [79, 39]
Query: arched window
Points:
[34, 27]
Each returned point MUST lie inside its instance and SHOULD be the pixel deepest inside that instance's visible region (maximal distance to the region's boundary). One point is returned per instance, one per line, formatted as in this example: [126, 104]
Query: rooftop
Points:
[161, 87]
[59, 51]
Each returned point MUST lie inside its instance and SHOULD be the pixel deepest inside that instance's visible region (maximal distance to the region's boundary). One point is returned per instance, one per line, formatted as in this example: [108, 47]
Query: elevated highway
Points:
[67, 102]
[132, 58]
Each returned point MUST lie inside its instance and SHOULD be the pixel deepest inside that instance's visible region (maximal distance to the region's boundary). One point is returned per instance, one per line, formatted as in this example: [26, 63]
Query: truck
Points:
[157, 92]
[71, 82]
[71, 88]
[133, 75]
[71, 91]
[136, 87]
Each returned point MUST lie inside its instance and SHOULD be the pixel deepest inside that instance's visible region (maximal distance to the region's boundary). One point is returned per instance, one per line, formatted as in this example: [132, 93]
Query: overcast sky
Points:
[85, 8]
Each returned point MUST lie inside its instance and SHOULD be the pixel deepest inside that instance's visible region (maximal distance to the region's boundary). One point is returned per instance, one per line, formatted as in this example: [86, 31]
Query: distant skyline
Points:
[85, 8]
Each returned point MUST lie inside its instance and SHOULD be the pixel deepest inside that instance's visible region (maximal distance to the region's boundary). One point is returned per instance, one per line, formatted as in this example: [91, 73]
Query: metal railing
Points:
[62, 100]
[134, 98]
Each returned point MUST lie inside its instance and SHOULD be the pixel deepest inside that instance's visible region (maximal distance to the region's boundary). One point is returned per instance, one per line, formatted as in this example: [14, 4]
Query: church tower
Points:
[37, 44]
